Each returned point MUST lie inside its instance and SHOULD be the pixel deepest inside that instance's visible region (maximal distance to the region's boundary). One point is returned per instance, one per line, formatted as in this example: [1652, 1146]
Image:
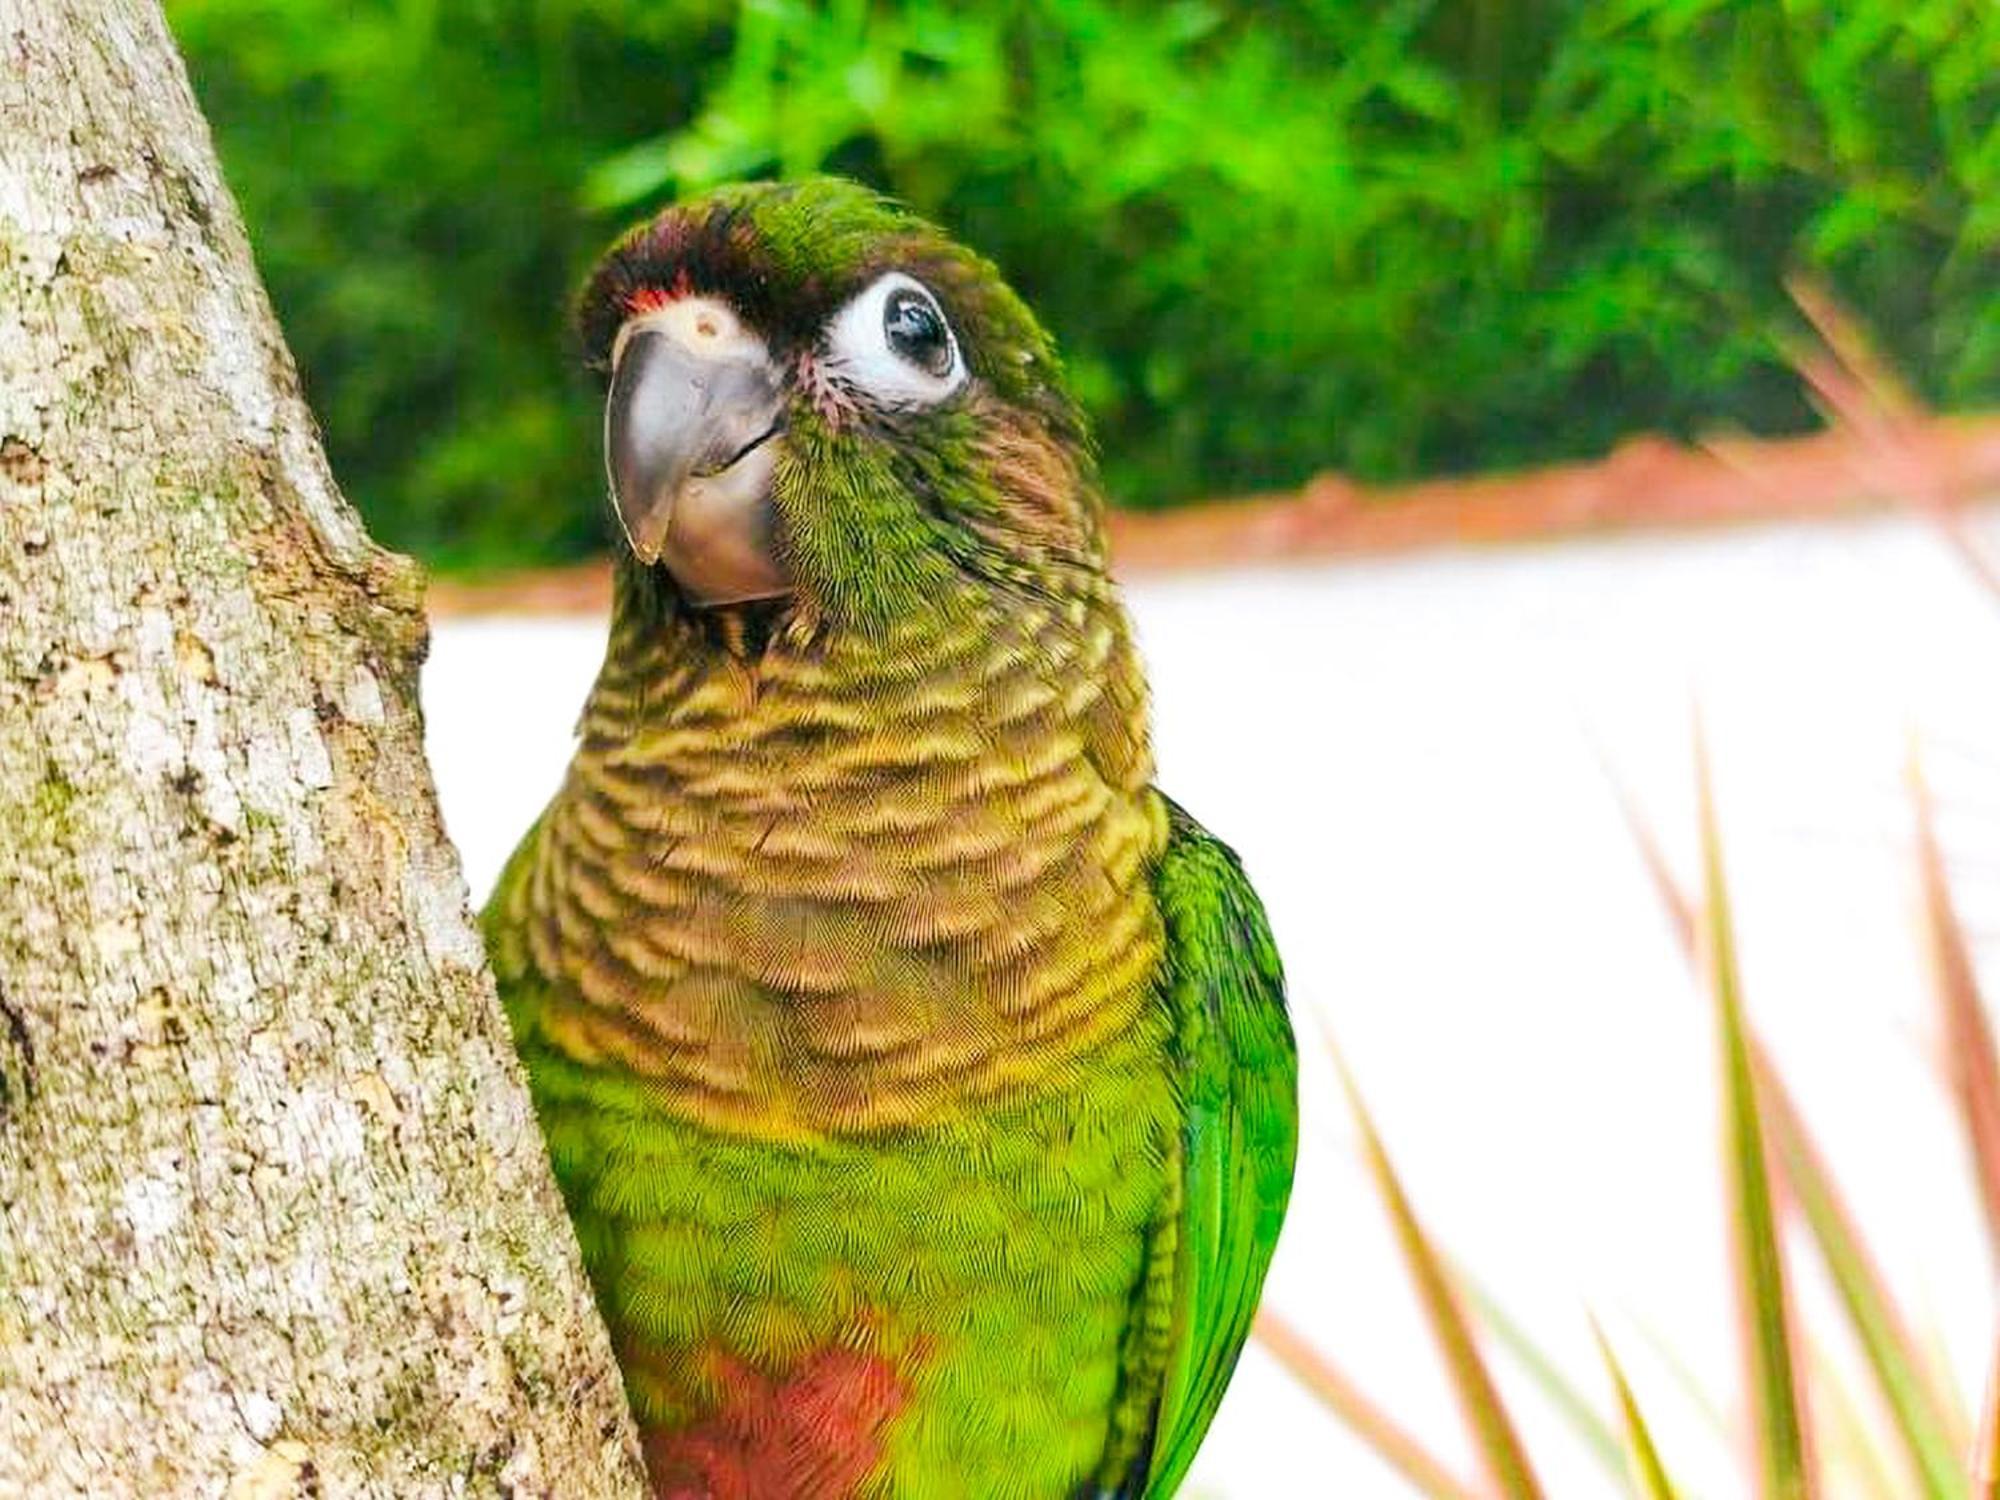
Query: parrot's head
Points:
[812, 396]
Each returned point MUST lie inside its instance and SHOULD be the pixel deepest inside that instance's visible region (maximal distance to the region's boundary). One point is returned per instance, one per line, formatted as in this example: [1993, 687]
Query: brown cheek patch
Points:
[815, 1434]
[1043, 493]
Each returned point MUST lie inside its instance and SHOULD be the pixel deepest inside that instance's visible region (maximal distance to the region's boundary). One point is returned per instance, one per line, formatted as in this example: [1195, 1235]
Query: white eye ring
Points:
[861, 352]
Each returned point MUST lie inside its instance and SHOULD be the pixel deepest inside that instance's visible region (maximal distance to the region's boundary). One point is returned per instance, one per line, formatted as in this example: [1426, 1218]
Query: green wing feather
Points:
[1237, 1070]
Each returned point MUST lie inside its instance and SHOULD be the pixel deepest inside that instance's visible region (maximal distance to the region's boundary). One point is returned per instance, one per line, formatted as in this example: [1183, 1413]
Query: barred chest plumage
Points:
[836, 966]
[830, 884]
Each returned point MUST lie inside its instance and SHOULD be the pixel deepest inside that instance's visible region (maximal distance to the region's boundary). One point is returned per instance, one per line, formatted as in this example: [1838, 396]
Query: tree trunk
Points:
[274, 1215]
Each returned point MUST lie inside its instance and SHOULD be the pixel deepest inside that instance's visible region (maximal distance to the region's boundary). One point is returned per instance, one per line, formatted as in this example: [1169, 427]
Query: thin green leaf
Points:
[1861, 395]
[1391, 1442]
[1643, 1456]
[1842, 1436]
[1986, 1458]
[1920, 1418]
[1935, 1360]
[1570, 1403]
[1783, 1465]
[1697, 1394]
[1970, 1053]
[1876, 386]
[1499, 1446]
[1923, 1419]
[1680, 911]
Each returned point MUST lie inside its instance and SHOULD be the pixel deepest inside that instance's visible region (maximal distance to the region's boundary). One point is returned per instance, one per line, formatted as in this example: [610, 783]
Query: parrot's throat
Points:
[842, 884]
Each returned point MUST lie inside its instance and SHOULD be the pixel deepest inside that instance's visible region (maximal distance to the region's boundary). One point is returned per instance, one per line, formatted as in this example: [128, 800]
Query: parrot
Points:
[917, 1076]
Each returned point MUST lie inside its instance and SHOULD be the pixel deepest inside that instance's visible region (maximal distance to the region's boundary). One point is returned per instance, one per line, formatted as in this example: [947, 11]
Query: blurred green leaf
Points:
[1920, 1419]
[1986, 1458]
[1570, 1403]
[1971, 1056]
[1764, 1305]
[1426, 1473]
[1648, 1473]
[1499, 1446]
[1844, 1435]
[1921, 1413]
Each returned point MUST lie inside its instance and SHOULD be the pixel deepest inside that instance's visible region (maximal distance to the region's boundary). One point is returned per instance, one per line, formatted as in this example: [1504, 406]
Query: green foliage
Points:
[409, 170]
[1391, 238]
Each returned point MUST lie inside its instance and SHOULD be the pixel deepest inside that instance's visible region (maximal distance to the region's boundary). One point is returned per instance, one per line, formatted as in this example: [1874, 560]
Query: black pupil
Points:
[916, 331]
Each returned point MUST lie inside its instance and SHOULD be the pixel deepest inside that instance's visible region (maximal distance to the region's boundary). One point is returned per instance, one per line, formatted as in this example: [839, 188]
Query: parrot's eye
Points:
[893, 342]
[915, 329]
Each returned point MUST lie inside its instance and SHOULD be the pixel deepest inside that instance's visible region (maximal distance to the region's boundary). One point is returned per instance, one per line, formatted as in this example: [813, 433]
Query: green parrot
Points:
[917, 1075]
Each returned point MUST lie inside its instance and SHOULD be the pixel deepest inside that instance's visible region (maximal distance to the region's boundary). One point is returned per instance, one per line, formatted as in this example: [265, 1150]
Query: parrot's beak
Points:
[689, 446]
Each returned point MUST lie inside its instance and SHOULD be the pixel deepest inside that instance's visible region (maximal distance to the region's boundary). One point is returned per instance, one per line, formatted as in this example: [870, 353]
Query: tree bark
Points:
[274, 1215]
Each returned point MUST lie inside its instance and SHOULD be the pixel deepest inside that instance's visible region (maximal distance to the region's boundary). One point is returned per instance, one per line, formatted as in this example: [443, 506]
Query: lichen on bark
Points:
[274, 1215]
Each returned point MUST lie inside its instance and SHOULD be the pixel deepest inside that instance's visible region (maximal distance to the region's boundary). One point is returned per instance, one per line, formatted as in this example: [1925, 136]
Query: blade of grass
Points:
[1680, 911]
[1854, 351]
[1498, 1445]
[1921, 1420]
[1844, 1437]
[1934, 1358]
[1391, 1442]
[1783, 1465]
[1641, 1452]
[1973, 1063]
[1697, 1395]
[1859, 393]
[1986, 1459]
[1570, 1403]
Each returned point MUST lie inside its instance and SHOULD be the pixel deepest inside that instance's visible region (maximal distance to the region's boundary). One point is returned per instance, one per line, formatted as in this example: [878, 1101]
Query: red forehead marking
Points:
[647, 298]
